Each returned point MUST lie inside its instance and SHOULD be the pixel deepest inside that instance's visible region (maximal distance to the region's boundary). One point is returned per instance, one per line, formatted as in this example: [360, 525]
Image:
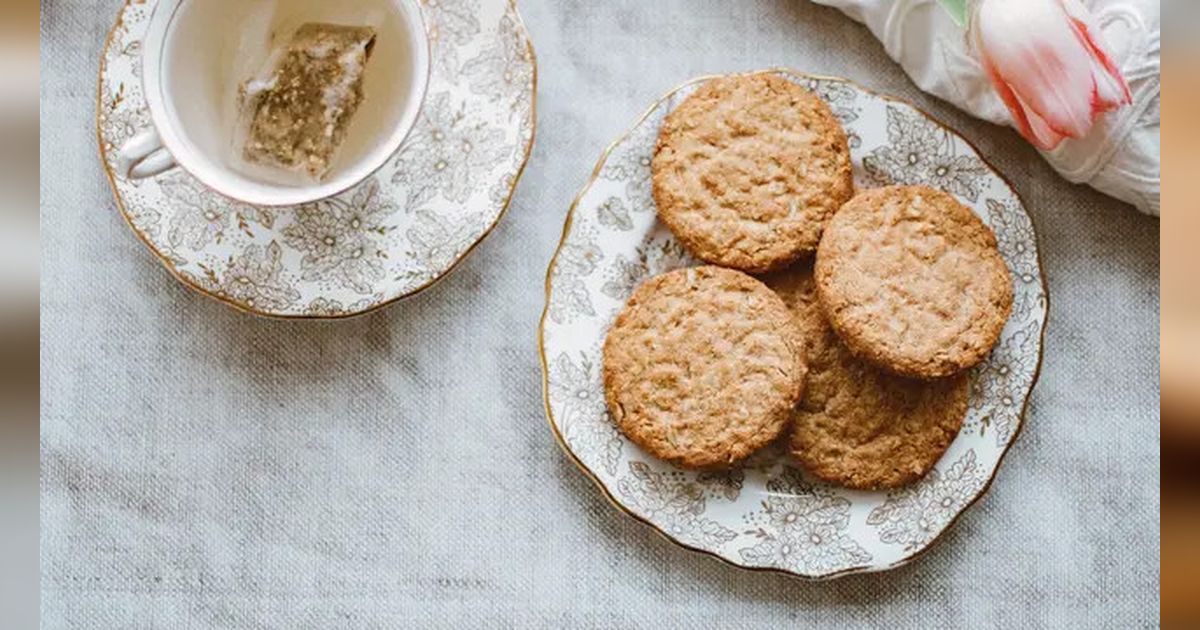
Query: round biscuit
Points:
[912, 281]
[748, 169]
[702, 367]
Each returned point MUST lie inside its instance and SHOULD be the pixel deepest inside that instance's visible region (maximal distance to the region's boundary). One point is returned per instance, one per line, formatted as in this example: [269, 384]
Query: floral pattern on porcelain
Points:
[768, 514]
[919, 153]
[802, 528]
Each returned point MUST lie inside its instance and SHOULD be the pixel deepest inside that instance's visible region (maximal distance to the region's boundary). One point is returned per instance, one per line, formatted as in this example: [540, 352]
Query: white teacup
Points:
[196, 53]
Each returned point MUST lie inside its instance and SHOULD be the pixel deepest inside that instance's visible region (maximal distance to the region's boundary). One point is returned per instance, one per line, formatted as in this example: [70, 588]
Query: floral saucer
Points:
[769, 515]
[390, 237]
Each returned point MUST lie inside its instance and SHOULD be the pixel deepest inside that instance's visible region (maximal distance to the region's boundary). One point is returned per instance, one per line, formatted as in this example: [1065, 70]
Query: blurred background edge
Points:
[19, 256]
[19, 261]
[1180, 324]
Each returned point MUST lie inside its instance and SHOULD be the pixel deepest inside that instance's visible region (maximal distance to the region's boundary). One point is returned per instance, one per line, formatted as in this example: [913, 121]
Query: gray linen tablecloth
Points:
[206, 469]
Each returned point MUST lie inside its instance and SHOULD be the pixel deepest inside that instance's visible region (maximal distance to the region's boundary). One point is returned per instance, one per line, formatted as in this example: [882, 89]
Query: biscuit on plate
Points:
[703, 367]
[748, 169]
[912, 281]
[858, 426]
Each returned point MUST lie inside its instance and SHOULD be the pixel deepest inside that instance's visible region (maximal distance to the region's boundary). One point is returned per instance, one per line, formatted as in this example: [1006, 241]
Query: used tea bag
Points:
[299, 113]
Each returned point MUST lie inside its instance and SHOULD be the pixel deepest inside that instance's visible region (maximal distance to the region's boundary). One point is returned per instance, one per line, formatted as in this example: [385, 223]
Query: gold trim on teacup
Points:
[170, 267]
[558, 436]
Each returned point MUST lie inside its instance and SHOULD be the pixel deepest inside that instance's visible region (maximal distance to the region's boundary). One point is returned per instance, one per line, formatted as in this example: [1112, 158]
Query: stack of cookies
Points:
[854, 341]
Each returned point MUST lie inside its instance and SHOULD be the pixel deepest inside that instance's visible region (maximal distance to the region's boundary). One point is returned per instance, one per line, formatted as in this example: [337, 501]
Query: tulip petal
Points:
[1111, 87]
[1031, 126]
[1045, 137]
[1049, 65]
[1035, 50]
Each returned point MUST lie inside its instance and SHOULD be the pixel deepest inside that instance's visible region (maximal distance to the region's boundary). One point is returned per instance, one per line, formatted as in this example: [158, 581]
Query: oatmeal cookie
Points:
[913, 282]
[748, 169]
[703, 367]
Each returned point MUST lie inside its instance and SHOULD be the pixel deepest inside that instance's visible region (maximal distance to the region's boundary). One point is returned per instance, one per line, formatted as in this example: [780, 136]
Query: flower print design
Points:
[500, 191]
[503, 69]
[245, 215]
[841, 98]
[438, 241]
[813, 507]
[338, 238]
[120, 118]
[318, 234]
[124, 47]
[584, 420]
[133, 49]
[921, 152]
[326, 307]
[129, 47]
[528, 124]
[1014, 230]
[1000, 384]
[570, 298]
[614, 214]
[803, 528]
[362, 266]
[665, 254]
[253, 279]
[1009, 367]
[810, 550]
[145, 219]
[367, 211]
[578, 386]
[674, 503]
[1028, 301]
[725, 484]
[420, 160]
[477, 149]
[199, 215]
[1015, 238]
[915, 515]
[202, 216]
[454, 21]
[653, 257]
[1018, 245]
[447, 153]
[206, 281]
[853, 139]
[624, 276]
[630, 163]
[119, 124]
[451, 25]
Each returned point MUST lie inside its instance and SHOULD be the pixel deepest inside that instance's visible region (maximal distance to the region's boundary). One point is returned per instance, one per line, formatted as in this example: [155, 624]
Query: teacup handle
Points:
[144, 156]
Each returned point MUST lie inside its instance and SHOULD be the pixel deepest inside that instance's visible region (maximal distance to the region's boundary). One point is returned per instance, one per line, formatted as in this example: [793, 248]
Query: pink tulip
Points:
[1048, 61]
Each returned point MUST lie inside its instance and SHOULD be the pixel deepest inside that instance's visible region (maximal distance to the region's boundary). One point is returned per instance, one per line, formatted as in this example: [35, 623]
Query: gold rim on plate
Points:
[549, 282]
[170, 267]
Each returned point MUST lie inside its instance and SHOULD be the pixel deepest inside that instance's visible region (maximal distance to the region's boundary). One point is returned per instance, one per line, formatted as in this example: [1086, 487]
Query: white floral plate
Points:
[392, 236]
[769, 515]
